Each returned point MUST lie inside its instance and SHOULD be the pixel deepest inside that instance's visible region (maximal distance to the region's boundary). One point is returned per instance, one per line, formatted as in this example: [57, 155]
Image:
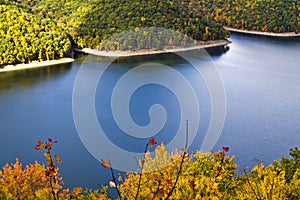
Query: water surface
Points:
[261, 79]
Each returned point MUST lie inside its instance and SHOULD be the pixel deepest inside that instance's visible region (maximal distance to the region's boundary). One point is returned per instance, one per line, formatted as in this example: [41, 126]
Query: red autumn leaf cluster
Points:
[152, 142]
[105, 163]
[225, 149]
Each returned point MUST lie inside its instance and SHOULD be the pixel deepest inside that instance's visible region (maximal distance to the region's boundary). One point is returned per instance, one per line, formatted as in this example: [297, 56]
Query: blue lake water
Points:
[261, 78]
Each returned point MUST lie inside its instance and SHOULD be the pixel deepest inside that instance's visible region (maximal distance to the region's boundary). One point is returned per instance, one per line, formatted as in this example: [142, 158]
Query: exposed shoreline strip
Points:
[36, 64]
[287, 34]
[151, 51]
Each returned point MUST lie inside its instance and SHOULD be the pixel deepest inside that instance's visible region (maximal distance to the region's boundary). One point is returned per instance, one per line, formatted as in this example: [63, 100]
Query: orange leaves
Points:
[40, 145]
[51, 172]
[105, 163]
[47, 154]
[76, 191]
[23, 183]
[101, 197]
[57, 159]
[47, 145]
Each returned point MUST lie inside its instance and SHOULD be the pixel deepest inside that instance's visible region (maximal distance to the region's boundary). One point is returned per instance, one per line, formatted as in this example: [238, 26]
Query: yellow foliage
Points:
[143, 19]
[196, 180]
[176, 175]
[263, 183]
[29, 183]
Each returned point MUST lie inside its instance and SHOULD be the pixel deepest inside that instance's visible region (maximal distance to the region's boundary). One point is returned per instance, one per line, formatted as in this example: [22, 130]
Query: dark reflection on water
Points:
[261, 79]
[28, 77]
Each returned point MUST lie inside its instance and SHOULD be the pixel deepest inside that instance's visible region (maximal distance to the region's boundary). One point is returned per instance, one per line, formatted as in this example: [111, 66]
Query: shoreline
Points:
[118, 53]
[272, 34]
[36, 64]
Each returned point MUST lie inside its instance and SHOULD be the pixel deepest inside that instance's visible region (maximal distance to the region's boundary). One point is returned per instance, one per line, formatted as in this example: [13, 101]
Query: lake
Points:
[260, 78]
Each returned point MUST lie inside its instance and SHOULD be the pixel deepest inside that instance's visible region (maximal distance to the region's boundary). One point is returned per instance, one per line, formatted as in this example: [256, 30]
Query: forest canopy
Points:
[276, 16]
[48, 29]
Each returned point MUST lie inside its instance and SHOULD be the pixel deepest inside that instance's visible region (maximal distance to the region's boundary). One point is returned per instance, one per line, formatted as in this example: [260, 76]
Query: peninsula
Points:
[49, 29]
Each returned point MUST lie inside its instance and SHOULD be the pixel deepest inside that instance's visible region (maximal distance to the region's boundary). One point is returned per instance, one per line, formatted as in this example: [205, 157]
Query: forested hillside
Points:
[25, 37]
[46, 29]
[93, 21]
[257, 15]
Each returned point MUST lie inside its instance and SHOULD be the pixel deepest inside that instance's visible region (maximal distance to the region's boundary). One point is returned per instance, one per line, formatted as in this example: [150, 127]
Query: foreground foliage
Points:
[175, 175]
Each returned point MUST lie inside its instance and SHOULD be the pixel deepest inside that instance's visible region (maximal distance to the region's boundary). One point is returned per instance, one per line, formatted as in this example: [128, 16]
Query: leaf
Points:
[57, 158]
[40, 145]
[105, 163]
[51, 141]
[192, 184]
[120, 178]
[48, 146]
[225, 149]
[76, 191]
[47, 154]
[152, 142]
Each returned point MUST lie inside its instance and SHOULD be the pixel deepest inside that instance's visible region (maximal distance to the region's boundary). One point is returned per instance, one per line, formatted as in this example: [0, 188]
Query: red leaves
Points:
[218, 172]
[192, 184]
[225, 149]
[105, 163]
[167, 182]
[152, 142]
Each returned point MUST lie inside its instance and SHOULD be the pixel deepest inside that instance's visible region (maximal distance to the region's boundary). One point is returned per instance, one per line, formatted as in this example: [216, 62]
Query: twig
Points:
[181, 163]
[157, 189]
[115, 181]
[272, 186]
[52, 178]
[186, 133]
[141, 173]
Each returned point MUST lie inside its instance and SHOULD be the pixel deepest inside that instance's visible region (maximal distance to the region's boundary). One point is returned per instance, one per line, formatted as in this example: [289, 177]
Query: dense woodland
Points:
[257, 15]
[47, 29]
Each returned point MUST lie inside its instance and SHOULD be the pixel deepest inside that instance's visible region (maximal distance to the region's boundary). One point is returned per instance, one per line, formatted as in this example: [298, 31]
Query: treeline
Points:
[25, 37]
[267, 16]
[45, 29]
[93, 21]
